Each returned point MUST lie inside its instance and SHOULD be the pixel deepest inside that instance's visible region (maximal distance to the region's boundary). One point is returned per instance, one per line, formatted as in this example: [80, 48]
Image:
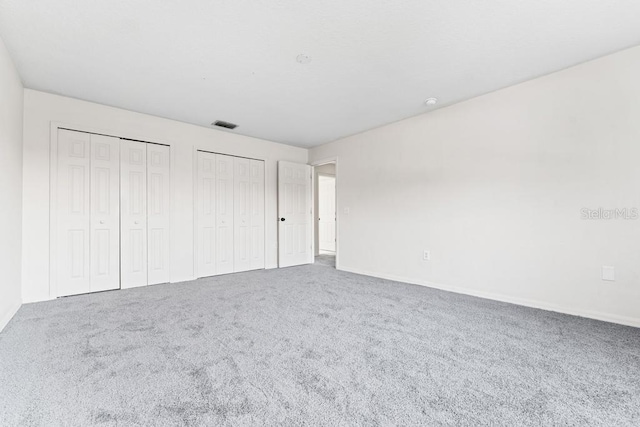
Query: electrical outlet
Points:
[608, 273]
[426, 256]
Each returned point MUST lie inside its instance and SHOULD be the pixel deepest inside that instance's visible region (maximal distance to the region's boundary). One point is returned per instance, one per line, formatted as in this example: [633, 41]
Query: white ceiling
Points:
[373, 61]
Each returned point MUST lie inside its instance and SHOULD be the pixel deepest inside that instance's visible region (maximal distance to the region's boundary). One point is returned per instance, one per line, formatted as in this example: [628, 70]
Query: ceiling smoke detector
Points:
[225, 125]
[431, 101]
[303, 58]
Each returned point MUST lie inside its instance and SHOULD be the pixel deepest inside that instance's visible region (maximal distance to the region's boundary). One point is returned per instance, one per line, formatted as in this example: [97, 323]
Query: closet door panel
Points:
[229, 214]
[133, 217]
[257, 215]
[105, 213]
[242, 214]
[224, 214]
[158, 208]
[73, 209]
[206, 214]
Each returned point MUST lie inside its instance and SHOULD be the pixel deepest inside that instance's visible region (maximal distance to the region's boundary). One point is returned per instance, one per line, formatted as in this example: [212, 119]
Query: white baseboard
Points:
[607, 317]
[182, 279]
[4, 320]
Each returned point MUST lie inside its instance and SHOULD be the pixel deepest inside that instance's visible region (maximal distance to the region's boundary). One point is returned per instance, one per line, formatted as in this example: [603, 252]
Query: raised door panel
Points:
[257, 215]
[206, 214]
[105, 213]
[242, 214]
[224, 214]
[73, 213]
[133, 218]
[158, 209]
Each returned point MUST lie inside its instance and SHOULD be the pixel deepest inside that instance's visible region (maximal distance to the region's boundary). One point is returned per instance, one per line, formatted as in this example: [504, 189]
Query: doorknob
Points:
[101, 222]
[136, 222]
[281, 219]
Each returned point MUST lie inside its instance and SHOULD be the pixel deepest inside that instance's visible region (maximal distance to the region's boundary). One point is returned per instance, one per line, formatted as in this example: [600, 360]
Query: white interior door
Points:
[158, 208]
[294, 212]
[224, 214]
[105, 213]
[242, 214]
[206, 214]
[327, 213]
[257, 214]
[133, 215]
[73, 275]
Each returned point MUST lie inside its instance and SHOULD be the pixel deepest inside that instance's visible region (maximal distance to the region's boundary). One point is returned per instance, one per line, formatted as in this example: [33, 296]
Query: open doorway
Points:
[325, 223]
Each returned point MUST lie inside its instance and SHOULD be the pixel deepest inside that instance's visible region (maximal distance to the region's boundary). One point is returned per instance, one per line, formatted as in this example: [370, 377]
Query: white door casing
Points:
[327, 213]
[105, 213]
[133, 216]
[158, 213]
[224, 214]
[206, 214]
[294, 214]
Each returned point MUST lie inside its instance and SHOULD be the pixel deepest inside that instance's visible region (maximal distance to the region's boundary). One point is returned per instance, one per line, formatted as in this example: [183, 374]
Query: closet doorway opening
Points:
[326, 213]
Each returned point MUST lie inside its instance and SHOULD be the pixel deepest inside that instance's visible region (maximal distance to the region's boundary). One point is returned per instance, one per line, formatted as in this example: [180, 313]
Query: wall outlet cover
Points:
[608, 273]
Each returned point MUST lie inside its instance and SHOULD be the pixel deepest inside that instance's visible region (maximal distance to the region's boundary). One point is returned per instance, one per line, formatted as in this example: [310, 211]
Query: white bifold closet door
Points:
[133, 216]
[158, 218]
[224, 214]
[206, 214]
[248, 214]
[257, 209]
[86, 258]
[229, 214]
[145, 198]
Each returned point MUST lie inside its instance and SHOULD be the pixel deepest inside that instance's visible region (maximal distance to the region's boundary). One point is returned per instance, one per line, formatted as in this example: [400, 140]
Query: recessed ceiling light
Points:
[431, 101]
[303, 58]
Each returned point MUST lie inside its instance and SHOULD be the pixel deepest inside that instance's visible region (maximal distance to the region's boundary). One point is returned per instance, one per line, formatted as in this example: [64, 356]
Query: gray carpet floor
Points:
[311, 346]
[326, 260]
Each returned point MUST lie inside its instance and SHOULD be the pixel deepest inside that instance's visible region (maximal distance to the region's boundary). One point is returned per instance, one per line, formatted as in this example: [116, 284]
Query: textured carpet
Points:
[326, 259]
[311, 346]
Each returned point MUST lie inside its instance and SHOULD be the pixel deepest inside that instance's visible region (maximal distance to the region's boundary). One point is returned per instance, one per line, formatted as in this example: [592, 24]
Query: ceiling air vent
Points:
[226, 125]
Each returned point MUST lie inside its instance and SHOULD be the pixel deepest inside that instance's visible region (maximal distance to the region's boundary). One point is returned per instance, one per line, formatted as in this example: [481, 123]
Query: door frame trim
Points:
[333, 159]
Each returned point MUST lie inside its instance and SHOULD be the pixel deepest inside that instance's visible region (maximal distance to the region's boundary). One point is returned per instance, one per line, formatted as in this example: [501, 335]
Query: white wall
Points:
[326, 169]
[11, 98]
[494, 188]
[41, 109]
